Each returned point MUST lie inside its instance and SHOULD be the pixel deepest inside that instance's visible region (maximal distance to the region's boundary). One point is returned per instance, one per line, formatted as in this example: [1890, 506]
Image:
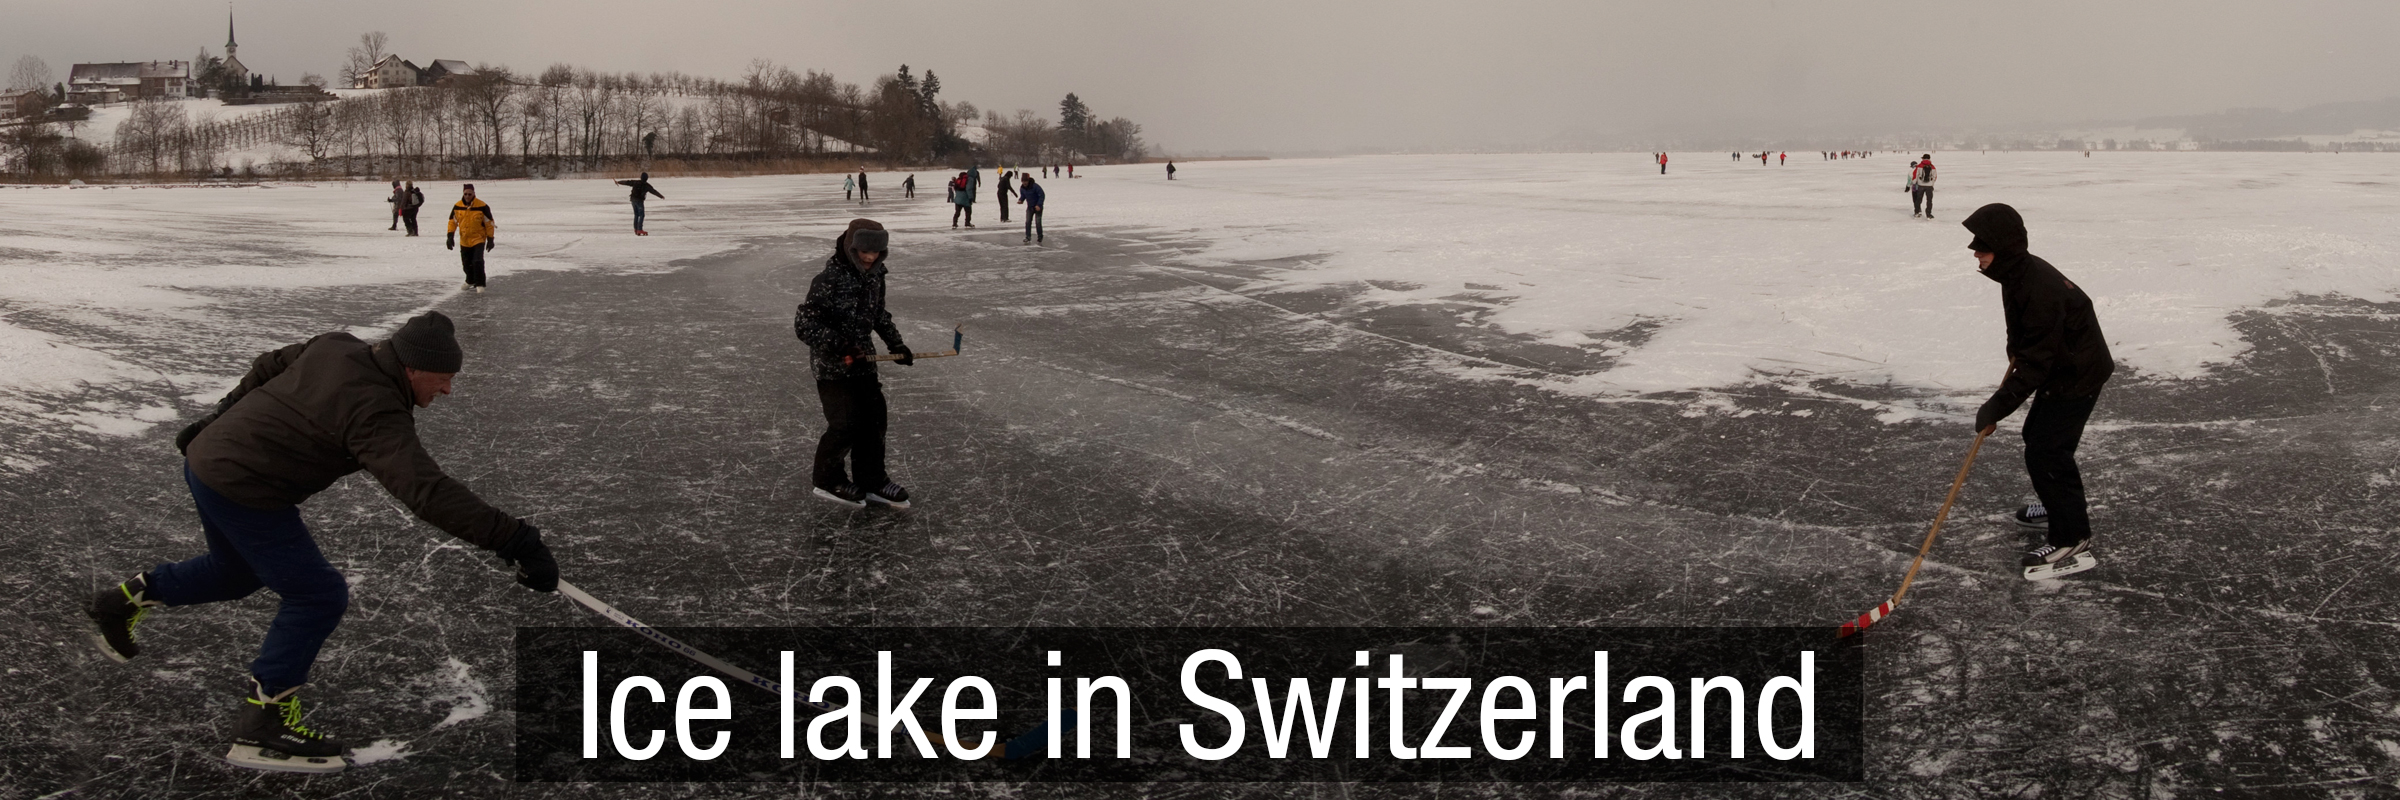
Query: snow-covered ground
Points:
[1718, 274]
[102, 127]
[1784, 273]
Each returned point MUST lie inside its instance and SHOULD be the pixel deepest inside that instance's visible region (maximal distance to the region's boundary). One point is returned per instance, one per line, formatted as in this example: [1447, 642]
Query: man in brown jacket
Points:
[304, 417]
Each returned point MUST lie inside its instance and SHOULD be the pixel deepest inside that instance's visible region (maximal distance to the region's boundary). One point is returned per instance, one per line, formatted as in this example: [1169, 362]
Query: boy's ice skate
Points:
[2050, 561]
[892, 494]
[267, 735]
[116, 610]
[844, 493]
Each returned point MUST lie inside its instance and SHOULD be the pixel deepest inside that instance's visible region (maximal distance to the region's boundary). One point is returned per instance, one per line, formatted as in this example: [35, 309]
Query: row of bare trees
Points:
[495, 122]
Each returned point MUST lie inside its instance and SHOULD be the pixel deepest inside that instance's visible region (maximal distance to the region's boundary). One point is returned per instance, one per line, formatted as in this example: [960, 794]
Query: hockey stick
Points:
[1885, 610]
[1024, 745]
[958, 339]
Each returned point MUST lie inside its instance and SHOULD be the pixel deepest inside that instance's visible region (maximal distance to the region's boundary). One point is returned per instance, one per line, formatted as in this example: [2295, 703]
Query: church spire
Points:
[229, 45]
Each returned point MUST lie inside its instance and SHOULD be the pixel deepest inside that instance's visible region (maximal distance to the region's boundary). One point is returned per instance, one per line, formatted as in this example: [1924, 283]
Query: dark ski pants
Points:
[2053, 429]
[638, 214]
[1033, 223]
[1921, 196]
[855, 416]
[248, 549]
[1003, 209]
[410, 217]
[471, 259]
[962, 208]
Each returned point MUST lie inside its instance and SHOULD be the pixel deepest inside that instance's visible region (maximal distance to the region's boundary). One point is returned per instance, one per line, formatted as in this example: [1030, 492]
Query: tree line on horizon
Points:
[497, 122]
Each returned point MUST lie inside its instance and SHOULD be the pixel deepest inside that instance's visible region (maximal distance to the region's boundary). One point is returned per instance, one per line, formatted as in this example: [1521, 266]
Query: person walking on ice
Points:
[862, 184]
[1920, 188]
[471, 233]
[908, 188]
[1001, 193]
[641, 192]
[1170, 170]
[399, 201]
[2058, 358]
[849, 184]
[1662, 163]
[845, 305]
[962, 200]
[302, 418]
[408, 213]
[1032, 196]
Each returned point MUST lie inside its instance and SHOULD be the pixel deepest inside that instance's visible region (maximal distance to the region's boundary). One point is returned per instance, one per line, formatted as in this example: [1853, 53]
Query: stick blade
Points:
[1854, 627]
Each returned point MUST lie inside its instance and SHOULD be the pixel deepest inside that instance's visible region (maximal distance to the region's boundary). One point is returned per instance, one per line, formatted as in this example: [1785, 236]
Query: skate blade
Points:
[2028, 526]
[2081, 562]
[900, 505]
[111, 652]
[255, 757]
[836, 498]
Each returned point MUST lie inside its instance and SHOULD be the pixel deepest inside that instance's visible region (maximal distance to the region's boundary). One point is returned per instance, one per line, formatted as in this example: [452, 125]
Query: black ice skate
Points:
[116, 610]
[892, 494]
[2050, 561]
[267, 735]
[2033, 518]
[843, 493]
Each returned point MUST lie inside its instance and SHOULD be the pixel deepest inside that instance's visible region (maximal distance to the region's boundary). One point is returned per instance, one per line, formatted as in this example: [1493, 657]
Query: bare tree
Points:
[370, 50]
[308, 126]
[31, 72]
[485, 94]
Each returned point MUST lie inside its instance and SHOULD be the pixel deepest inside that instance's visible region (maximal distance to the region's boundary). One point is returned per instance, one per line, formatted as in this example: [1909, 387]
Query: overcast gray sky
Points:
[1231, 75]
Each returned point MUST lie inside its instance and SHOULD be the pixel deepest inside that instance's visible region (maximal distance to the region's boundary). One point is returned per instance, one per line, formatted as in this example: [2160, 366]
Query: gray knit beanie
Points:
[428, 343]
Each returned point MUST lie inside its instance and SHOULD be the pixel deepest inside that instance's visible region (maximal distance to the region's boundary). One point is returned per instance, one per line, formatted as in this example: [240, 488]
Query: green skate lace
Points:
[291, 716]
[140, 610]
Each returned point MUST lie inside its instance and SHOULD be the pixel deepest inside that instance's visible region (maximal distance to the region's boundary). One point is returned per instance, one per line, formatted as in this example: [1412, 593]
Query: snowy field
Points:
[1556, 390]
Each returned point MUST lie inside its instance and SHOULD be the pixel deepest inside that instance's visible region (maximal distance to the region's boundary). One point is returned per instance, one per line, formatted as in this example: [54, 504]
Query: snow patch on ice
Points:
[380, 750]
[457, 686]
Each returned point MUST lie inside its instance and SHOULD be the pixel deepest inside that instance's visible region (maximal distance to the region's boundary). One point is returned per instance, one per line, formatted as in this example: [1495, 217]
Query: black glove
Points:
[906, 356]
[536, 570]
[1988, 416]
[183, 441]
[449, 241]
[490, 242]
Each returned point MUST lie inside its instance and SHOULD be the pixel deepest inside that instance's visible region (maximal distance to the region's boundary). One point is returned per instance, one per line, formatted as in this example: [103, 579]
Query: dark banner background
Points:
[1150, 660]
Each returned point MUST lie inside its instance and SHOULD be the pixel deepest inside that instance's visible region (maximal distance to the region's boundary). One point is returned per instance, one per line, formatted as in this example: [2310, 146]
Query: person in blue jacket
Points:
[1031, 195]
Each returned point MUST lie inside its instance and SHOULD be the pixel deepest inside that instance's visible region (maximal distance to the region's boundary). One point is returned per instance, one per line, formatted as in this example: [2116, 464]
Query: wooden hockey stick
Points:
[1879, 612]
[958, 340]
[1885, 610]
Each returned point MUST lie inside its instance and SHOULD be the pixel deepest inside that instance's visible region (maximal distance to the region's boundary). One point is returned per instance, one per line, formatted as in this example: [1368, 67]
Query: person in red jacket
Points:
[1662, 163]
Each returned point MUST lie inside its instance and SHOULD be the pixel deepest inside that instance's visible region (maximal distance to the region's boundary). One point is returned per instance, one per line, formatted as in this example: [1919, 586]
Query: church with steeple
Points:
[233, 63]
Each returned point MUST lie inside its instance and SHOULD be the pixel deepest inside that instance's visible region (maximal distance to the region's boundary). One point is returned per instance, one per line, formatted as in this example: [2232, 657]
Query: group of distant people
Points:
[471, 225]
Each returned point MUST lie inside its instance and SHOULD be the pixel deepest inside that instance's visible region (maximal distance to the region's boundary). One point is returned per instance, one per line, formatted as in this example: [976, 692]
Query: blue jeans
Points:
[250, 548]
[1033, 222]
[637, 215]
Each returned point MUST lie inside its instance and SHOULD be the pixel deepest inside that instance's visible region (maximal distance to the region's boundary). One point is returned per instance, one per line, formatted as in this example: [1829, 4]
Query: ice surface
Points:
[457, 685]
[1808, 270]
[379, 751]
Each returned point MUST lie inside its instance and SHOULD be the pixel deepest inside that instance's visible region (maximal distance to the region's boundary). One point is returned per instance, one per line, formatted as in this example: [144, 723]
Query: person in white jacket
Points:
[1920, 188]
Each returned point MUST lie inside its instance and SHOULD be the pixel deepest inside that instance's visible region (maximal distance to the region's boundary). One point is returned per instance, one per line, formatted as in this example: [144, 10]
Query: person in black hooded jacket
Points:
[844, 307]
[2058, 358]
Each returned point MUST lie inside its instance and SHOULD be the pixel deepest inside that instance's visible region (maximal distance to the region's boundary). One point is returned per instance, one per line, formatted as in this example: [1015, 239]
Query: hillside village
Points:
[213, 118]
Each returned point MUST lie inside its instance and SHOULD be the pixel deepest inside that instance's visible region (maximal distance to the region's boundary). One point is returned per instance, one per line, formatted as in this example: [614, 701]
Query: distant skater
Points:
[399, 201]
[962, 200]
[1001, 193]
[408, 212]
[908, 188]
[862, 185]
[1170, 170]
[1070, 169]
[849, 184]
[471, 233]
[1032, 196]
[641, 192]
[2059, 358]
[1920, 188]
[1781, 157]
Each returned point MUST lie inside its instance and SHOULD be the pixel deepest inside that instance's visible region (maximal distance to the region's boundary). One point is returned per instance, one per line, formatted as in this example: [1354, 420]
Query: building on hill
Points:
[95, 84]
[26, 104]
[391, 73]
[443, 68]
[233, 63]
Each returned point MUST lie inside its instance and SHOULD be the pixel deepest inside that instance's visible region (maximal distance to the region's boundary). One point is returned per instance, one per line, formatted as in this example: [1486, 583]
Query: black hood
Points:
[1997, 229]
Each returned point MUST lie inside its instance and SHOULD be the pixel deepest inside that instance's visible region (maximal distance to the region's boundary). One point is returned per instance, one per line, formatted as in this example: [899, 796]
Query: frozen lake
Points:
[1517, 390]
